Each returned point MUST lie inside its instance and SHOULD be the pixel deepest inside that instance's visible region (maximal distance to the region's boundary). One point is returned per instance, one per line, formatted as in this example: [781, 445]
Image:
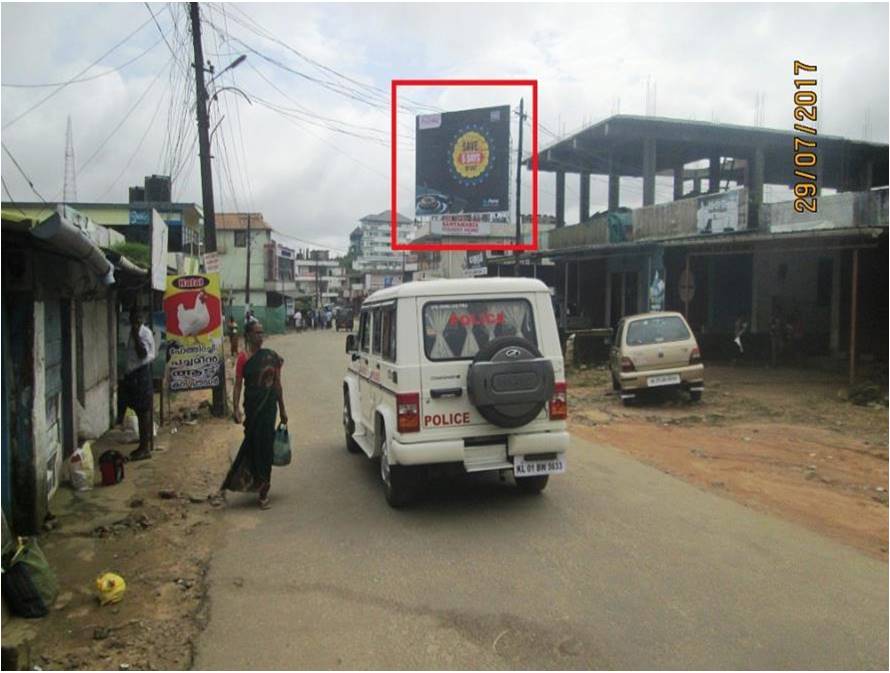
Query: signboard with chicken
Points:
[194, 331]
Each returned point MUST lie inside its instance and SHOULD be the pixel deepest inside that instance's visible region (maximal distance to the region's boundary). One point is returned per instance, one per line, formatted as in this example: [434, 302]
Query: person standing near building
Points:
[137, 381]
[298, 320]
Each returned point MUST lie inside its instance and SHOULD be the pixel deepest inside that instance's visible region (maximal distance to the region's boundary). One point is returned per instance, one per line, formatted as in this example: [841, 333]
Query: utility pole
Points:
[314, 253]
[247, 280]
[519, 182]
[219, 393]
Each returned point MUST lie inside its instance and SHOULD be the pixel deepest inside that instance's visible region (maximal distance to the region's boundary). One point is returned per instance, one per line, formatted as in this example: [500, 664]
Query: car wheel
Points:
[349, 426]
[695, 395]
[398, 480]
[533, 485]
[627, 401]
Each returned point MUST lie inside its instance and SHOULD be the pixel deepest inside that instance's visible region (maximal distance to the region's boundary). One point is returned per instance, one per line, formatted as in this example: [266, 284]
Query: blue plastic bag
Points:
[281, 451]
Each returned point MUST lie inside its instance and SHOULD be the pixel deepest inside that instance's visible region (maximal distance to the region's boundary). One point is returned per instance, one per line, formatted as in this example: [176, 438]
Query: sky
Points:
[301, 128]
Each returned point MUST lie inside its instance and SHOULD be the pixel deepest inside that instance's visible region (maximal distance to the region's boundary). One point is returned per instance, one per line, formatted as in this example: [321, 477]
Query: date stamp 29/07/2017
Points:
[805, 157]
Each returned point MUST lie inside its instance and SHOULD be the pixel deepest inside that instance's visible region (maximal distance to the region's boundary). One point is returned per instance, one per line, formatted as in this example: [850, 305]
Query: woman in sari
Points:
[259, 374]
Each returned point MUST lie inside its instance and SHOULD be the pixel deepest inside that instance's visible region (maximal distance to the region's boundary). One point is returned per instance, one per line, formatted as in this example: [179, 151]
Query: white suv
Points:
[457, 373]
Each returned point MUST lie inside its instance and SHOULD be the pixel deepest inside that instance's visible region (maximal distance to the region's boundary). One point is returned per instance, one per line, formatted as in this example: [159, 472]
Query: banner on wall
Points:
[718, 213]
[194, 331]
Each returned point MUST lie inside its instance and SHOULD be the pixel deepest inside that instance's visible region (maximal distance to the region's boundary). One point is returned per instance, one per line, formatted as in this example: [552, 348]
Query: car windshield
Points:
[457, 330]
[656, 331]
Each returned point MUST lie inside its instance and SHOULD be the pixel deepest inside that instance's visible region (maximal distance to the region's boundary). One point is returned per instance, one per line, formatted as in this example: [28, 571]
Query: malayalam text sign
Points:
[194, 331]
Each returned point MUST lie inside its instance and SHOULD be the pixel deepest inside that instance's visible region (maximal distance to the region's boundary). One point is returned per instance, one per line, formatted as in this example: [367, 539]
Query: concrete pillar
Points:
[560, 198]
[755, 188]
[678, 180]
[835, 320]
[584, 212]
[614, 185]
[648, 171]
[713, 173]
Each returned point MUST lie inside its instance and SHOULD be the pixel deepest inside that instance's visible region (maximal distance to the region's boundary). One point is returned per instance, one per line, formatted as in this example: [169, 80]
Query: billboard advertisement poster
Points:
[469, 224]
[194, 331]
[718, 213]
[462, 162]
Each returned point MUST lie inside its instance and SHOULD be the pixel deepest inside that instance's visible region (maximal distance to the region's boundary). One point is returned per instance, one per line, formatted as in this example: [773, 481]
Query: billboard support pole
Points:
[519, 181]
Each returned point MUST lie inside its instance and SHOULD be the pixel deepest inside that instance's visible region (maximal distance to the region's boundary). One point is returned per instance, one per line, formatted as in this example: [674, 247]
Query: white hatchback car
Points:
[466, 374]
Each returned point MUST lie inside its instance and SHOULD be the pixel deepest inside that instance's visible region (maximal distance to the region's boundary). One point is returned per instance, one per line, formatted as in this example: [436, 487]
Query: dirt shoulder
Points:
[157, 530]
[785, 441]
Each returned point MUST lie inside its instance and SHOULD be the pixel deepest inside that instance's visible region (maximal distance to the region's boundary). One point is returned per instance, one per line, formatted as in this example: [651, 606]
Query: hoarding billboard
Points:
[194, 331]
[462, 162]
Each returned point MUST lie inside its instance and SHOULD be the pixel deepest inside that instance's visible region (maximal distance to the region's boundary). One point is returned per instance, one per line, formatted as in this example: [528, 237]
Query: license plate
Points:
[530, 468]
[665, 380]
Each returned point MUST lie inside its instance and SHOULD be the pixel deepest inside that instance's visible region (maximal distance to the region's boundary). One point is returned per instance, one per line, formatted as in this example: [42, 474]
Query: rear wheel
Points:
[349, 425]
[532, 485]
[695, 395]
[399, 481]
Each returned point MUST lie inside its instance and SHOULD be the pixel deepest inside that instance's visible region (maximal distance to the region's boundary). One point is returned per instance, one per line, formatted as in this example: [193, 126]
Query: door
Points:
[365, 389]
[53, 397]
[453, 332]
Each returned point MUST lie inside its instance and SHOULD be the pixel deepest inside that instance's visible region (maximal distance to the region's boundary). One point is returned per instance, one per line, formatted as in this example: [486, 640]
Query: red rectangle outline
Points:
[515, 247]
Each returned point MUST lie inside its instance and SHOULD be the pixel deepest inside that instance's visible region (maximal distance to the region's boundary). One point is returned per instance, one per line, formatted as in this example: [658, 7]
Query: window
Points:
[364, 331]
[656, 331]
[457, 330]
[375, 337]
[240, 239]
[388, 332]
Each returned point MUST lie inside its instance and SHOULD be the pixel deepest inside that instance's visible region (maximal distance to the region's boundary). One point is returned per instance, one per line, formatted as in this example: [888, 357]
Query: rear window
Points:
[656, 331]
[457, 330]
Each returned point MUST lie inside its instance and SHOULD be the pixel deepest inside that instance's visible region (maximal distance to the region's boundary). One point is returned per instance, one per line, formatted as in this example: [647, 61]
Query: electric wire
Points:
[79, 74]
[24, 175]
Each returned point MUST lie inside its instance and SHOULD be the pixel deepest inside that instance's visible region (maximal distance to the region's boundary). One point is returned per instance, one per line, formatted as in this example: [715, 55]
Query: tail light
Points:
[627, 365]
[694, 356]
[559, 406]
[408, 410]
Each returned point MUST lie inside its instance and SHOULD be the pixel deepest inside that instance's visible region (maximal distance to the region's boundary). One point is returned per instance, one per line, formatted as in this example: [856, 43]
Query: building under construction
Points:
[718, 250]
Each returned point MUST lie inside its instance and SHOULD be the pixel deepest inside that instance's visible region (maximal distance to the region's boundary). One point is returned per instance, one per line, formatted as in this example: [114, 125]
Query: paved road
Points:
[616, 565]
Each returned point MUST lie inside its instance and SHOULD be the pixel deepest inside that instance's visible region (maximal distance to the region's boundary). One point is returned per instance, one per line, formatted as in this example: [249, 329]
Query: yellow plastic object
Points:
[111, 588]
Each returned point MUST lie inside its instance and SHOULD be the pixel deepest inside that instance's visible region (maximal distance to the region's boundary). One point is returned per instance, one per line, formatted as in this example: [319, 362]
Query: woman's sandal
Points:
[264, 503]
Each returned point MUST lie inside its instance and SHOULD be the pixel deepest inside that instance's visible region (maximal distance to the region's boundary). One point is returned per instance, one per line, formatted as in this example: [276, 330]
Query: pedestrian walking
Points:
[258, 373]
[232, 327]
[138, 386]
[298, 320]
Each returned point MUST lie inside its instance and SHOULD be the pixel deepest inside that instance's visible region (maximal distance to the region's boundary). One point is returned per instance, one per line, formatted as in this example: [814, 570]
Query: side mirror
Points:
[350, 343]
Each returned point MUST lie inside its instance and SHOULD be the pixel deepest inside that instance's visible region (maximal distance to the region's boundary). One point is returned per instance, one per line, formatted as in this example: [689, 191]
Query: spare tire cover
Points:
[509, 381]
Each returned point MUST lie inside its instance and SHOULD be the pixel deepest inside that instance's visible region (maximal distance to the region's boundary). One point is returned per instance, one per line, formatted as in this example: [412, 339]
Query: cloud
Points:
[708, 61]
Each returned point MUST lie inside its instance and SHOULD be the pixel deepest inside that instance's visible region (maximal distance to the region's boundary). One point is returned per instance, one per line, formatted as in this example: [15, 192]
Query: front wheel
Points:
[695, 395]
[533, 485]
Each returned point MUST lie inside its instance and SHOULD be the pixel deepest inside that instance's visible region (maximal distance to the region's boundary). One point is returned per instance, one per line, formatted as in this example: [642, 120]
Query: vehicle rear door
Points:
[453, 331]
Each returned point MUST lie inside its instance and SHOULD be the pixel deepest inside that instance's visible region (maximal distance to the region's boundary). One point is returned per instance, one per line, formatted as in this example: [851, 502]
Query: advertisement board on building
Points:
[468, 224]
[475, 265]
[462, 162]
[718, 213]
[194, 331]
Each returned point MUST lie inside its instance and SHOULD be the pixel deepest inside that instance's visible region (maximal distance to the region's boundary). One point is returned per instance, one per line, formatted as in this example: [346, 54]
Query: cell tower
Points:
[69, 189]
